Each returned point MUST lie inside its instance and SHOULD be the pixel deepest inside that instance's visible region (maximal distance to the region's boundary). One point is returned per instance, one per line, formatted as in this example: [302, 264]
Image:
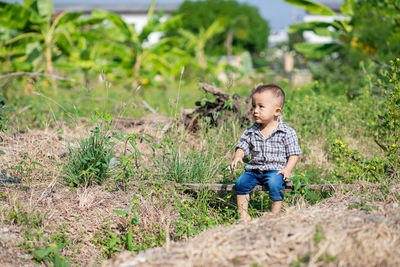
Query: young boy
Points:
[273, 147]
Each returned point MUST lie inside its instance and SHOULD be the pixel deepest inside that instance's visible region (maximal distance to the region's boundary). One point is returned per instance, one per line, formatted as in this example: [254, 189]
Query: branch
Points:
[35, 74]
[312, 187]
[214, 90]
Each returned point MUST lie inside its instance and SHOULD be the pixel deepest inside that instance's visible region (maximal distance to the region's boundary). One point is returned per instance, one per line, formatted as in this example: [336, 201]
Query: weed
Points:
[4, 122]
[302, 260]
[19, 216]
[51, 254]
[130, 164]
[130, 219]
[362, 206]
[26, 165]
[318, 236]
[129, 236]
[89, 163]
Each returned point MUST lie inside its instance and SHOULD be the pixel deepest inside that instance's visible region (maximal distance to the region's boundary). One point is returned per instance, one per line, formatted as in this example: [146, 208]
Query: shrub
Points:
[89, 163]
[385, 130]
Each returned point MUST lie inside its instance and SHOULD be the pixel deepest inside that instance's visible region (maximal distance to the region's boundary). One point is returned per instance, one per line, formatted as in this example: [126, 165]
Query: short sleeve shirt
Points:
[269, 153]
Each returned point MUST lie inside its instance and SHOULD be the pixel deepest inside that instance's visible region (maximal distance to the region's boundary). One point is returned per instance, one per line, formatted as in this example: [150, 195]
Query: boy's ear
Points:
[278, 111]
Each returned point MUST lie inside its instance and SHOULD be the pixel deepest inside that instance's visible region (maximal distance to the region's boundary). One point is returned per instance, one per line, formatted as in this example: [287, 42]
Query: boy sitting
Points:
[273, 147]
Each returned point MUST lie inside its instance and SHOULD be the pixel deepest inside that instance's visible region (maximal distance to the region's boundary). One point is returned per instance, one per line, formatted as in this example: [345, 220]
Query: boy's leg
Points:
[243, 204]
[275, 185]
[276, 206]
[244, 184]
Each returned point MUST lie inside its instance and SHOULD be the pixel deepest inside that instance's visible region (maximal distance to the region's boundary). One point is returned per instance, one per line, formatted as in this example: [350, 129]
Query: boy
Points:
[273, 147]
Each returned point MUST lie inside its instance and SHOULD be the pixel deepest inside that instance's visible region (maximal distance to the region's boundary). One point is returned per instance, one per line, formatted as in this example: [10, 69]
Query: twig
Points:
[96, 99]
[7, 75]
[149, 107]
[24, 109]
[11, 180]
[312, 187]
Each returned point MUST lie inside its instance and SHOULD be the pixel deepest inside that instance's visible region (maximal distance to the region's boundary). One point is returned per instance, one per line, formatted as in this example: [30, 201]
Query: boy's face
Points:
[266, 107]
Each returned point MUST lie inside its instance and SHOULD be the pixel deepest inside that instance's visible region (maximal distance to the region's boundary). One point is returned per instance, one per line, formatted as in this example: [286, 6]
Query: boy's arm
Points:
[287, 171]
[238, 157]
[242, 150]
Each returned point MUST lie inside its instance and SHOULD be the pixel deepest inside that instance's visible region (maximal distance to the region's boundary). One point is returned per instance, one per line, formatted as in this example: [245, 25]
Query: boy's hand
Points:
[286, 174]
[235, 161]
[238, 157]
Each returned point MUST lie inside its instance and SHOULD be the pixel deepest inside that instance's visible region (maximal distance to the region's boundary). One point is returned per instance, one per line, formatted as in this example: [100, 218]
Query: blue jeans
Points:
[248, 180]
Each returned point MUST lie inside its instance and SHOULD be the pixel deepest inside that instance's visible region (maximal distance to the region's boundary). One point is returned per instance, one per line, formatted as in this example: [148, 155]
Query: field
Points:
[98, 127]
[90, 215]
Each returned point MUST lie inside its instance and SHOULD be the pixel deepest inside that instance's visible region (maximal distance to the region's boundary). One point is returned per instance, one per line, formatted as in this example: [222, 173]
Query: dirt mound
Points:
[342, 231]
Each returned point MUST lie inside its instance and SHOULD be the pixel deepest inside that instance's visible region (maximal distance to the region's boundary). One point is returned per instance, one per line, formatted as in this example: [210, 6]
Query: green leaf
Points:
[126, 29]
[45, 8]
[316, 50]
[67, 17]
[2, 152]
[13, 16]
[33, 52]
[136, 216]
[313, 7]
[309, 26]
[297, 185]
[129, 241]
[347, 7]
[121, 212]
[40, 254]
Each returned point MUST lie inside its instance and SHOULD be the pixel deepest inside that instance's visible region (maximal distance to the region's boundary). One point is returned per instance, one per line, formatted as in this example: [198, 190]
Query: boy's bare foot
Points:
[246, 218]
[243, 202]
[276, 206]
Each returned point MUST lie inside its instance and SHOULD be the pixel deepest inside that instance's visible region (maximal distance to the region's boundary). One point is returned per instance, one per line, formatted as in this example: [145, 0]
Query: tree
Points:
[245, 28]
[33, 27]
[126, 47]
[339, 29]
[376, 28]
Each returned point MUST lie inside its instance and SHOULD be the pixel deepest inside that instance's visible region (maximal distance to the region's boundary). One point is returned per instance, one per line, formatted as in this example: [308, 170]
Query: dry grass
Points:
[348, 234]
[83, 212]
[327, 234]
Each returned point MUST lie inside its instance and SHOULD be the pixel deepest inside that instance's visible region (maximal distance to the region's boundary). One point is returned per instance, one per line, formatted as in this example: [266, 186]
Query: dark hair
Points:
[274, 89]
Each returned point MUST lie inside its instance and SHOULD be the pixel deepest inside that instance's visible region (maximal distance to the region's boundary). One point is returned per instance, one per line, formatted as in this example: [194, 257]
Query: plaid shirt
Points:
[270, 153]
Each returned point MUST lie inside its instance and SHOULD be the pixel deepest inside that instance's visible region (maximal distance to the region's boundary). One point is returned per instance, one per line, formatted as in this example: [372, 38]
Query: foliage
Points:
[38, 33]
[51, 254]
[88, 164]
[128, 236]
[4, 122]
[339, 29]
[18, 215]
[179, 164]
[244, 24]
[26, 165]
[376, 29]
[385, 131]
[131, 164]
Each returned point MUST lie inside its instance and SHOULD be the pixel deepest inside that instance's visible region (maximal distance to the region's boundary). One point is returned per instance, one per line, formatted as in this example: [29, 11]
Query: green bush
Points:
[385, 133]
[89, 163]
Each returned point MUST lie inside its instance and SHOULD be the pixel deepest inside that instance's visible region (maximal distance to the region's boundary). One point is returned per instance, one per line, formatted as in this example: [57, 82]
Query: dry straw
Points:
[328, 234]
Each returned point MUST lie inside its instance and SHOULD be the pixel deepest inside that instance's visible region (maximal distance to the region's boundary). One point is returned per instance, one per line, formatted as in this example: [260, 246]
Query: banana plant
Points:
[127, 45]
[198, 42]
[37, 30]
[339, 29]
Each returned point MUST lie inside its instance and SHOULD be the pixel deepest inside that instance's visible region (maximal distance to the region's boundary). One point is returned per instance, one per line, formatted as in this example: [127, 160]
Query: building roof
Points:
[120, 8]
